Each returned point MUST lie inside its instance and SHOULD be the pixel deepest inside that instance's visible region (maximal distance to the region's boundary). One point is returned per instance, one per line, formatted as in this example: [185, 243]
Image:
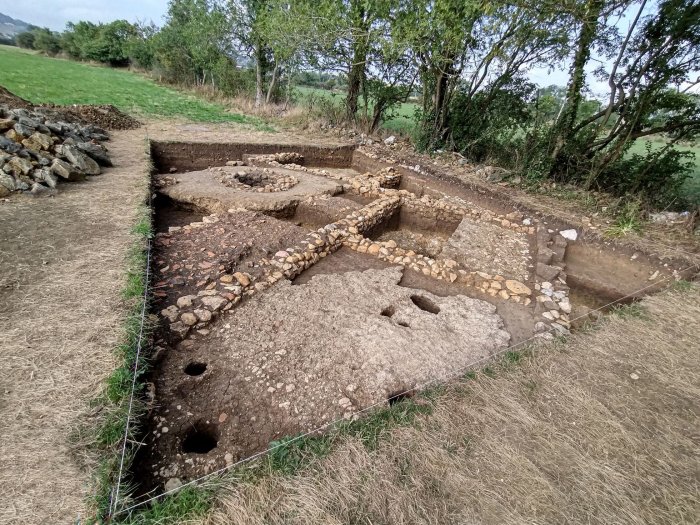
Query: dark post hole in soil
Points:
[195, 368]
[201, 438]
[389, 311]
[397, 397]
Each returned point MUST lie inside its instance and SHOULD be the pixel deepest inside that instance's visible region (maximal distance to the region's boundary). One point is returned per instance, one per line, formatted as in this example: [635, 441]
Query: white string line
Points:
[378, 403]
[114, 501]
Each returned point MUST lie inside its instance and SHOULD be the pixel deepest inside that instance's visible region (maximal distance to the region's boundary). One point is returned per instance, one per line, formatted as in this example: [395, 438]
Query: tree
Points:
[47, 41]
[194, 46]
[247, 19]
[25, 40]
[139, 45]
[78, 38]
[658, 51]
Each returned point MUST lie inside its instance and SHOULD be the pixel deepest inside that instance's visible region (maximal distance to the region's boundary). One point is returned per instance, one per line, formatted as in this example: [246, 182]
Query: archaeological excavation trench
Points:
[297, 285]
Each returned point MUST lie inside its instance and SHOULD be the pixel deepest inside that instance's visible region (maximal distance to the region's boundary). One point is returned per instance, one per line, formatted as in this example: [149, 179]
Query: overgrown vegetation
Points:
[466, 63]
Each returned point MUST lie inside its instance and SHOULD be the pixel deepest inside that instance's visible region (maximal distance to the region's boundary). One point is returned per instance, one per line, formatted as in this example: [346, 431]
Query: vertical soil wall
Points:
[193, 156]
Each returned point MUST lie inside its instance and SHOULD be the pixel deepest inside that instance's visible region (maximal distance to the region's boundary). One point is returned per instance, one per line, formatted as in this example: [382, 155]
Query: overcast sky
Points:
[56, 13]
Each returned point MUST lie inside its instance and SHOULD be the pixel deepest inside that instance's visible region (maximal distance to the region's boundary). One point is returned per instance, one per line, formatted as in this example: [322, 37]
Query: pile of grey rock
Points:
[38, 149]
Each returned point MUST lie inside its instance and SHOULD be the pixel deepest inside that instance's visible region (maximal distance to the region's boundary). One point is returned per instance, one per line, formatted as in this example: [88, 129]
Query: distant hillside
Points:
[10, 26]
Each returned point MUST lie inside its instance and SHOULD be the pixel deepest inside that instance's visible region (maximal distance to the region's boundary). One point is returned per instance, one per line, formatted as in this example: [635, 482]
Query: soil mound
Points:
[12, 100]
[105, 116]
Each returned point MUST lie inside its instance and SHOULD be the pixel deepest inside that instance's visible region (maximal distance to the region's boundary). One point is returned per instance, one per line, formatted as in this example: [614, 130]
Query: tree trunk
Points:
[441, 101]
[567, 117]
[376, 116]
[273, 81]
[357, 70]
[259, 74]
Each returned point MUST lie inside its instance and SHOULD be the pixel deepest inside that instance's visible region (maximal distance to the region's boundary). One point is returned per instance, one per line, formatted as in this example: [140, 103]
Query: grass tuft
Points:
[291, 454]
[629, 311]
[188, 503]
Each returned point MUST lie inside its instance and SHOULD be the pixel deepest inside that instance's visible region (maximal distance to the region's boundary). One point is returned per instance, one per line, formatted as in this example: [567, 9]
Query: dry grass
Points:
[62, 269]
[566, 436]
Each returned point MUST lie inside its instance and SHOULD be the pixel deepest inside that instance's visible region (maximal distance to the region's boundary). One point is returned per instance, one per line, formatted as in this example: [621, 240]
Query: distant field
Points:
[691, 189]
[402, 121]
[42, 79]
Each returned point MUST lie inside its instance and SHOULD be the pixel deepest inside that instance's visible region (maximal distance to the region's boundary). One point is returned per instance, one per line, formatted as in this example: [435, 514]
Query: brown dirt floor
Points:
[205, 190]
[518, 321]
[62, 268]
[297, 356]
[602, 430]
[189, 259]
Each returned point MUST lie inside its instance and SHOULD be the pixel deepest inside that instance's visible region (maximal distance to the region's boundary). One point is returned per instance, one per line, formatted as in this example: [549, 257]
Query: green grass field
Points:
[691, 188]
[41, 79]
[402, 119]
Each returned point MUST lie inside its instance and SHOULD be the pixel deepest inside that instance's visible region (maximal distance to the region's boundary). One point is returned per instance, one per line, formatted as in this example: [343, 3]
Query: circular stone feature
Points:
[261, 180]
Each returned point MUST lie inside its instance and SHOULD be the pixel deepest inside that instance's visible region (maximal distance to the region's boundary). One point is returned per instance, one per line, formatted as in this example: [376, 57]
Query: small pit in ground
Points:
[389, 311]
[252, 178]
[195, 368]
[398, 397]
[169, 213]
[425, 304]
[413, 232]
[200, 439]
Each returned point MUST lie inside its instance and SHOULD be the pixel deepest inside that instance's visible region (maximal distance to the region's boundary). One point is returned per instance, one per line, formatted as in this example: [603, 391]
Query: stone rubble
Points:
[260, 180]
[37, 152]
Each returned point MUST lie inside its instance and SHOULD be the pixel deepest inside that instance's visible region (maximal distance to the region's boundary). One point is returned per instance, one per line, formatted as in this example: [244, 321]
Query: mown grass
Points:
[41, 79]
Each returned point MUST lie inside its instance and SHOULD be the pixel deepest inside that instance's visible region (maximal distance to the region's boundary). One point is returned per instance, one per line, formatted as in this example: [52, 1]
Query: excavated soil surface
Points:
[188, 259]
[491, 249]
[206, 190]
[413, 296]
[295, 356]
[518, 321]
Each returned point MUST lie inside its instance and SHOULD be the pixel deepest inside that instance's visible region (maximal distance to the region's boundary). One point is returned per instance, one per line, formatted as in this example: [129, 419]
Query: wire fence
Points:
[114, 497]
